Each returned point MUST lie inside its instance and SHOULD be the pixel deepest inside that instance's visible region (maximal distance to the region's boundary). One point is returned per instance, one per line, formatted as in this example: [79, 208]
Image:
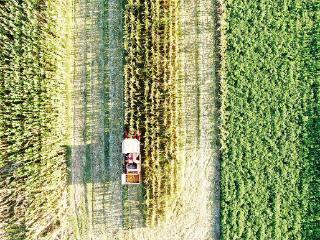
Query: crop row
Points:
[269, 98]
[32, 159]
[151, 72]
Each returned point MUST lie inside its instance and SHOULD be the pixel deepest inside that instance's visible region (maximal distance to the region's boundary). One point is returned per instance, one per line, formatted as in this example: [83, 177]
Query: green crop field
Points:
[270, 114]
[224, 93]
[33, 171]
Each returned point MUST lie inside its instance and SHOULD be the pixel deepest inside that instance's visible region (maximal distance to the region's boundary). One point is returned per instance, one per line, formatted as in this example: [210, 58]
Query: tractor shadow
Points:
[99, 197]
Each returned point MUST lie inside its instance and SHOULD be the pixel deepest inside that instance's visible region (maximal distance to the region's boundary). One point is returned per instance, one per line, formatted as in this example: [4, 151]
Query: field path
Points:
[101, 205]
[201, 168]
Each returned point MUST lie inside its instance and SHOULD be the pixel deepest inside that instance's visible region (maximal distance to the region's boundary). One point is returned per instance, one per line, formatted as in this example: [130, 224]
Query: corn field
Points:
[225, 95]
[32, 159]
[152, 94]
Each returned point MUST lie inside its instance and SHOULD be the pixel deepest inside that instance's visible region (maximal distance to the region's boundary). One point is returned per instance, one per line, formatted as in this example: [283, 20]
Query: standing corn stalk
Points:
[151, 76]
[32, 160]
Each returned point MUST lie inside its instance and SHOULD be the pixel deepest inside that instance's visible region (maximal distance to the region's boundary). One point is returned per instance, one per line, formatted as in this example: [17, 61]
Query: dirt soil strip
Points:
[193, 195]
[199, 107]
[78, 155]
[209, 118]
[97, 195]
[98, 141]
[115, 71]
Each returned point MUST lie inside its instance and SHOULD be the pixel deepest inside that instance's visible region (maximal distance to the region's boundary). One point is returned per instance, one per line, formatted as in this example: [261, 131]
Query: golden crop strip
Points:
[150, 94]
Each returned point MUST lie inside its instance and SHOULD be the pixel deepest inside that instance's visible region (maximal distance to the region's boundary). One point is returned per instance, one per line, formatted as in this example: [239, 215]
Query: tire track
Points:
[116, 117]
[200, 204]
[98, 98]
[78, 153]
[98, 123]
[209, 117]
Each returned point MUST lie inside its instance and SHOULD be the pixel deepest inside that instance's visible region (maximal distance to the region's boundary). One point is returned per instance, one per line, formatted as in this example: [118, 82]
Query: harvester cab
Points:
[131, 159]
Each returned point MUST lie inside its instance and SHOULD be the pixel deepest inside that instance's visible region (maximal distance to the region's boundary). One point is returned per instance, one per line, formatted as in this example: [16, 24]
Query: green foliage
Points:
[32, 159]
[311, 133]
[269, 101]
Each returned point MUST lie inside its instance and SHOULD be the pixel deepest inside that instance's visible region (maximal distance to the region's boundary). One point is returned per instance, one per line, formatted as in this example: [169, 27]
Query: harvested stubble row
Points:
[32, 161]
[151, 74]
[270, 107]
